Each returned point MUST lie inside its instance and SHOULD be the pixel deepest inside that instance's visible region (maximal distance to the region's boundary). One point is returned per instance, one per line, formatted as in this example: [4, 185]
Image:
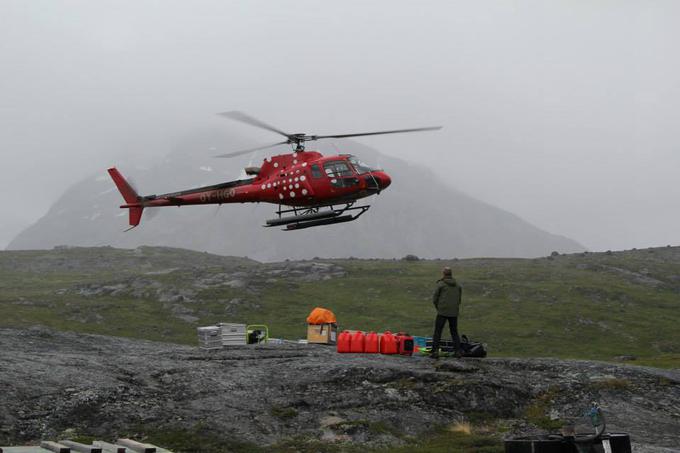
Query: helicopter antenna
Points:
[299, 139]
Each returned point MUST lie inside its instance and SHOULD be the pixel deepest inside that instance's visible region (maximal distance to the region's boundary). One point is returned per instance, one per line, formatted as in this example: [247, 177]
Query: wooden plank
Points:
[55, 447]
[25, 449]
[109, 448]
[135, 446]
[76, 446]
[159, 449]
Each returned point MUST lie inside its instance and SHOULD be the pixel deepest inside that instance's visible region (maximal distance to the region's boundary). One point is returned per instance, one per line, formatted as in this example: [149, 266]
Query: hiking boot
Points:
[433, 355]
[458, 355]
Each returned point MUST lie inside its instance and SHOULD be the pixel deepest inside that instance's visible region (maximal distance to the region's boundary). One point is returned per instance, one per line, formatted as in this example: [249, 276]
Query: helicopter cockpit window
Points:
[316, 171]
[337, 169]
[359, 166]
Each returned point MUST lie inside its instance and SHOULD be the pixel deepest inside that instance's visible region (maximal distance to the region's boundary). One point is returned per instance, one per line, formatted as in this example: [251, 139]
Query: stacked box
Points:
[233, 334]
[322, 333]
[209, 337]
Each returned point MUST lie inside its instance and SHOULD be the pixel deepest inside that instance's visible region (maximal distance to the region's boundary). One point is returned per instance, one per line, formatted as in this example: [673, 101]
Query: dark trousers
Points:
[439, 326]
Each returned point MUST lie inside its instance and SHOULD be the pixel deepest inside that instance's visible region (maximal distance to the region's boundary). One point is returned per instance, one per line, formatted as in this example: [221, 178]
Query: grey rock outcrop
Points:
[102, 386]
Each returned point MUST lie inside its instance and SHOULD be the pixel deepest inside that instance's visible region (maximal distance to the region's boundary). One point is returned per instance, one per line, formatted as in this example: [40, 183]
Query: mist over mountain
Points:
[419, 214]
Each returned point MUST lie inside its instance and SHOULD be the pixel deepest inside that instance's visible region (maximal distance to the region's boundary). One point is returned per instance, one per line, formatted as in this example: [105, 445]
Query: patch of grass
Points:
[662, 361]
[614, 384]
[283, 413]
[83, 439]
[306, 444]
[382, 427]
[444, 440]
[537, 413]
[588, 306]
[480, 418]
[664, 381]
[198, 439]
[461, 427]
[448, 385]
[405, 383]
[201, 439]
[376, 428]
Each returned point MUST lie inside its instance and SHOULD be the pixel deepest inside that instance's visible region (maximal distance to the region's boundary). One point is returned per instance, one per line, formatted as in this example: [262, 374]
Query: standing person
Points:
[446, 300]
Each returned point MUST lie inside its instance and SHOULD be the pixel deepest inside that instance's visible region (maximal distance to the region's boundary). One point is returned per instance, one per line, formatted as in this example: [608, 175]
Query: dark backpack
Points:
[470, 348]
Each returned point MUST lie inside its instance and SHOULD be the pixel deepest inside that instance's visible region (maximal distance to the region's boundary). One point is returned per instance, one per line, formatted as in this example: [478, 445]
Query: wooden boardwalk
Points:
[69, 446]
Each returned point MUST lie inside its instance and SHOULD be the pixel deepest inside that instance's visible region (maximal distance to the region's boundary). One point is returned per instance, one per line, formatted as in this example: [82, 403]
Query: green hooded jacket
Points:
[447, 297]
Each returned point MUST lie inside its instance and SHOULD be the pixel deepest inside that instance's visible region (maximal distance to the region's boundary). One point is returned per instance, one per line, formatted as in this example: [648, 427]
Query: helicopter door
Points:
[316, 171]
[341, 174]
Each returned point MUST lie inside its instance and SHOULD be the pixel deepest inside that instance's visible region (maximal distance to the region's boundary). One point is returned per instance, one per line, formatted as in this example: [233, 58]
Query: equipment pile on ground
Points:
[322, 326]
[231, 334]
[467, 348]
[589, 438]
[374, 343]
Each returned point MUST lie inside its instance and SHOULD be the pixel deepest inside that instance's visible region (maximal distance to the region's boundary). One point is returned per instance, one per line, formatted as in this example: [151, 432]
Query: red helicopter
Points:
[318, 190]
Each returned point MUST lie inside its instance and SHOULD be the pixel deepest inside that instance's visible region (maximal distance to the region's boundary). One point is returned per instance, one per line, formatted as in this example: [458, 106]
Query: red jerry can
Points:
[388, 343]
[371, 344]
[344, 341]
[405, 343]
[358, 341]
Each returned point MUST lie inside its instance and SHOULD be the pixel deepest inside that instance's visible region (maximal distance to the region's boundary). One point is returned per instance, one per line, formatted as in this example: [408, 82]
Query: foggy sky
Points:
[564, 113]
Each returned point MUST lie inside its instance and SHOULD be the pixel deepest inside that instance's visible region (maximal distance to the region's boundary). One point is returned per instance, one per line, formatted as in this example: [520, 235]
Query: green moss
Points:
[442, 440]
[376, 428]
[201, 439]
[537, 413]
[614, 384]
[198, 439]
[406, 383]
[83, 439]
[307, 444]
[283, 413]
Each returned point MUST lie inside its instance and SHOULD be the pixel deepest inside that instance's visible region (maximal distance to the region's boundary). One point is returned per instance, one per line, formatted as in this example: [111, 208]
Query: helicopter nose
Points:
[382, 179]
[385, 181]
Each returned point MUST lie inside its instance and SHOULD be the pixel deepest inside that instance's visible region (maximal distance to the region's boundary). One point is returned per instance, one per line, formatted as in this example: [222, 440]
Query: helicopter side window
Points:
[337, 169]
[316, 171]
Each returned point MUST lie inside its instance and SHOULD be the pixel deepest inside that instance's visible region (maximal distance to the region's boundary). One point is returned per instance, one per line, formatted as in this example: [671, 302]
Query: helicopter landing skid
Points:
[316, 216]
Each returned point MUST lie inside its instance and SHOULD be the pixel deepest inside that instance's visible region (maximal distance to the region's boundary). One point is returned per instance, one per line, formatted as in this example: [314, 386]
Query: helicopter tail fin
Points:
[130, 196]
[135, 216]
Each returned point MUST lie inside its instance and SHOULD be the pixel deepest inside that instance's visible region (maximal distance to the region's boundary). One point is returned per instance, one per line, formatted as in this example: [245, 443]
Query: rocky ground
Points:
[54, 382]
[182, 296]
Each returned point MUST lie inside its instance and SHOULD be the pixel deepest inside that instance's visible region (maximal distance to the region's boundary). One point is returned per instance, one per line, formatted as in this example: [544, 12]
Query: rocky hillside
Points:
[418, 214]
[245, 398]
[606, 306]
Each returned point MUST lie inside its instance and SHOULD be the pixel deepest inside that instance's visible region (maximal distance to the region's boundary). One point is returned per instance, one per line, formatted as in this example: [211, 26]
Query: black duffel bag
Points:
[470, 348]
[467, 348]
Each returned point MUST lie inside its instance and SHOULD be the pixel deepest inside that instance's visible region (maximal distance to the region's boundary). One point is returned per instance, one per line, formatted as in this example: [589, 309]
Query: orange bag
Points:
[321, 316]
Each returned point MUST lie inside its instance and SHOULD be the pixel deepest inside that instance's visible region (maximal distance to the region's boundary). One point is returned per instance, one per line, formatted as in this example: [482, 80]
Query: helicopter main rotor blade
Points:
[250, 150]
[242, 117]
[397, 131]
